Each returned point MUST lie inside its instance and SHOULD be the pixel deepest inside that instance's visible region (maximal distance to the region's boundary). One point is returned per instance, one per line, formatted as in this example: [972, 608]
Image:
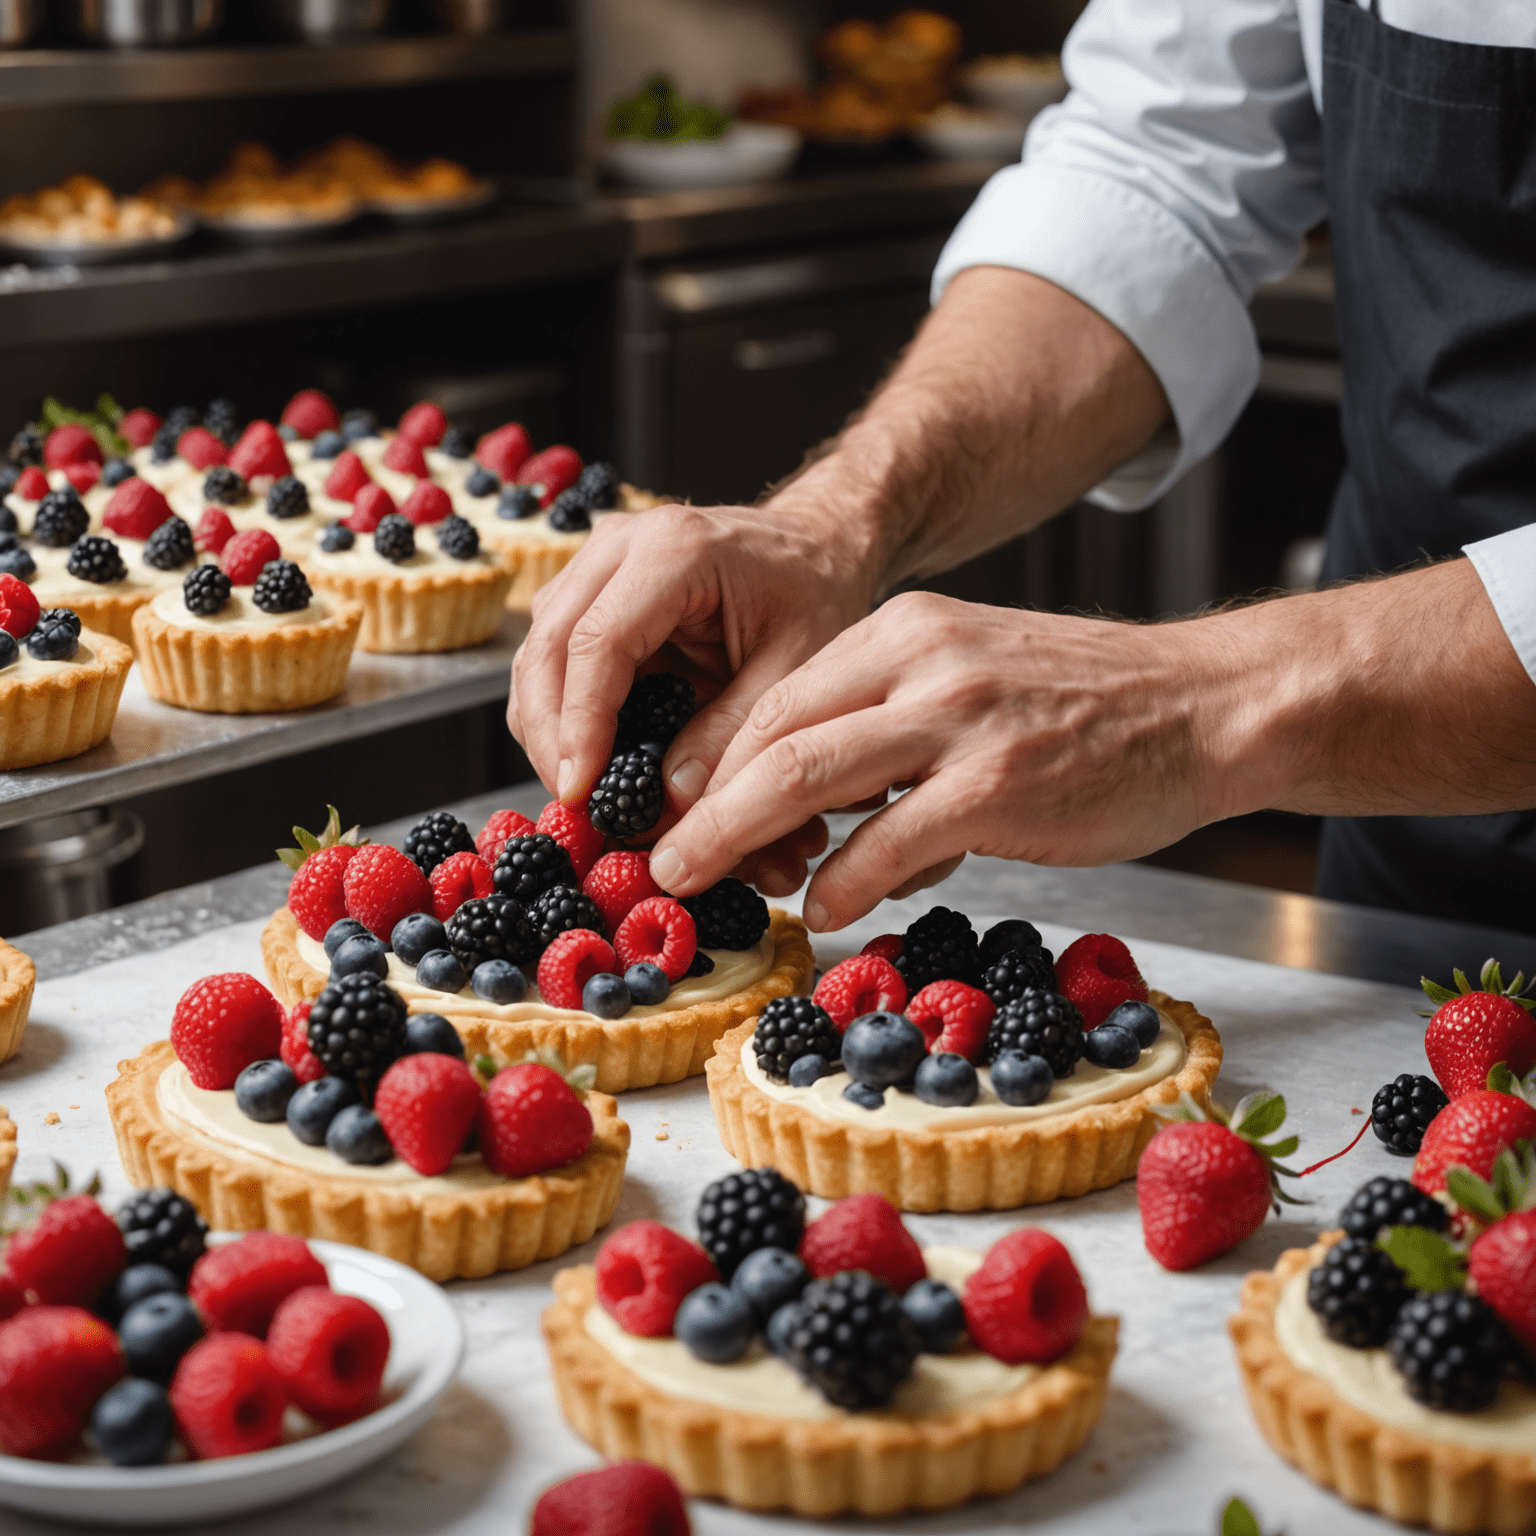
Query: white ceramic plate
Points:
[970, 133]
[98, 253]
[434, 210]
[294, 231]
[745, 153]
[426, 1347]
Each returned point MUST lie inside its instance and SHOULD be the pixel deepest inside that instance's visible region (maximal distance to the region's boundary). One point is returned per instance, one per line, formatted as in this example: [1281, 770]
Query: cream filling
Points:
[315, 472]
[1087, 1085]
[734, 971]
[53, 580]
[761, 1383]
[1366, 1379]
[239, 615]
[164, 476]
[364, 560]
[27, 668]
[481, 511]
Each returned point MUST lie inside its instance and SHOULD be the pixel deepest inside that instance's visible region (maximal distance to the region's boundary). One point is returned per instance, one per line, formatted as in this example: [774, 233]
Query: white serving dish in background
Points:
[955, 132]
[1019, 86]
[745, 153]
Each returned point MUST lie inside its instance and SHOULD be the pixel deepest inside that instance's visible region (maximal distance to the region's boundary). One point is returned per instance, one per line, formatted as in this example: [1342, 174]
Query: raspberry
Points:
[643, 1272]
[214, 530]
[238, 1286]
[492, 837]
[1026, 1302]
[863, 984]
[135, 510]
[69, 1255]
[18, 608]
[222, 1024]
[330, 1352]
[459, 878]
[505, 450]
[370, 507]
[260, 451]
[244, 555]
[70, 445]
[139, 426]
[381, 886]
[428, 1103]
[952, 1017]
[347, 477]
[428, 503]
[531, 1121]
[864, 1232]
[315, 894]
[310, 413]
[576, 834]
[423, 424]
[406, 458]
[657, 931]
[32, 484]
[54, 1363]
[294, 1050]
[618, 883]
[200, 448]
[630, 1498]
[228, 1398]
[551, 472]
[886, 947]
[82, 476]
[1096, 973]
[570, 963]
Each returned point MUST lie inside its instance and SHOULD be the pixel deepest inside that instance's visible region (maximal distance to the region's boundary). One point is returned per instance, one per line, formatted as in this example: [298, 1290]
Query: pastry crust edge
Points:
[48, 719]
[18, 977]
[408, 613]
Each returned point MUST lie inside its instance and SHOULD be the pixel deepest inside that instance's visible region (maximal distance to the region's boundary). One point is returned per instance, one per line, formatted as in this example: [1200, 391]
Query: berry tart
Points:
[832, 1368]
[346, 1119]
[529, 937]
[17, 978]
[7, 1150]
[948, 1072]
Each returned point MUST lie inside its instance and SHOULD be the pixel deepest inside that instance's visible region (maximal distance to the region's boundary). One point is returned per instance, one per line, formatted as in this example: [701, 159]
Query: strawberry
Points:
[618, 883]
[310, 413]
[575, 957]
[214, 530]
[135, 510]
[630, 1498]
[531, 1120]
[1473, 1031]
[505, 450]
[32, 484]
[69, 1255]
[1205, 1184]
[952, 1017]
[382, 885]
[330, 1351]
[459, 878]
[550, 472]
[18, 608]
[12, 1297]
[428, 503]
[83, 476]
[1502, 1260]
[200, 448]
[260, 451]
[492, 837]
[428, 1104]
[658, 931]
[863, 984]
[887, 946]
[574, 831]
[864, 1232]
[222, 1024]
[315, 895]
[1472, 1130]
[370, 507]
[139, 426]
[643, 1272]
[406, 457]
[54, 1363]
[238, 1286]
[70, 445]
[294, 1050]
[244, 555]
[228, 1397]
[1027, 1303]
[423, 424]
[347, 477]
[1097, 974]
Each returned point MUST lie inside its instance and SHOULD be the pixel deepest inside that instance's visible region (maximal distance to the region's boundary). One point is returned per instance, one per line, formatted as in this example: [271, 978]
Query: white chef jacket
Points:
[1180, 173]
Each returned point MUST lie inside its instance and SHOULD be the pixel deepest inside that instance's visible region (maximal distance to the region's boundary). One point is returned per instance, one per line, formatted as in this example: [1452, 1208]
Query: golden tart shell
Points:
[68, 710]
[534, 564]
[18, 976]
[994, 1167]
[628, 1053]
[7, 1149]
[408, 612]
[108, 613]
[445, 1237]
[1405, 1476]
[867, 1463]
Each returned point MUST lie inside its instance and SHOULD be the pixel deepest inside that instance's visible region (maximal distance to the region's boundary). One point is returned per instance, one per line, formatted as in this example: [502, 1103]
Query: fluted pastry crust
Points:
[533, 564]
[68, 710]
[109, 613]
[7, 1149]
[408, 612]
[18, 976]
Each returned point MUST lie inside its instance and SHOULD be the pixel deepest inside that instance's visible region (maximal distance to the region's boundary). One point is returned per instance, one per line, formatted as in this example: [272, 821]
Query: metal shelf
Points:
[50, 77]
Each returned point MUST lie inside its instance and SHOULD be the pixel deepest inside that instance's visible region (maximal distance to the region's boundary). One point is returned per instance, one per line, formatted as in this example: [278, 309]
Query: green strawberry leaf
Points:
[486, 1067]
[1477, 1197]
[1238, 1520]
[1259, 1115]
[1491, 979]
[1502, 1080]
[1437, 994]
[1427, 1259]
[109, 410]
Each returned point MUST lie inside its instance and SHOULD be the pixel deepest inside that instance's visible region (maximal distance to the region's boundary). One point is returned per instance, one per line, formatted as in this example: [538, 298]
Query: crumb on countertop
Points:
[662, 1136]
[51, 1118]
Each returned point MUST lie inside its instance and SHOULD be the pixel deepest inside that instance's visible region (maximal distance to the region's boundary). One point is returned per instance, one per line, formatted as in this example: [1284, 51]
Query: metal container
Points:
[473, 18]
[19, 19]
[326, 21]
[60, 867]
[146, 23]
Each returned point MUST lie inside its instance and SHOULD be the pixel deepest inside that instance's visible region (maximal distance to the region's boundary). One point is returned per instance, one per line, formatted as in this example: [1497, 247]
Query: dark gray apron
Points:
[1430, 162]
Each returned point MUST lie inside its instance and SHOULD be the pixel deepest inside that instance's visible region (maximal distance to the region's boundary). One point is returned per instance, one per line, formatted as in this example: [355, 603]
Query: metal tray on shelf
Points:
[96, 253]
[262, 232]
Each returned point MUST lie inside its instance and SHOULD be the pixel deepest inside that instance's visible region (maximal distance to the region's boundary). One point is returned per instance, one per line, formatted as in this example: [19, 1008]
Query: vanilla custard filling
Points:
[364, 560]
[902, 1108]
[1366, 1379]
[734, 971]
[239, 615]
[762, 1383]
[53, 578]
[27, 668]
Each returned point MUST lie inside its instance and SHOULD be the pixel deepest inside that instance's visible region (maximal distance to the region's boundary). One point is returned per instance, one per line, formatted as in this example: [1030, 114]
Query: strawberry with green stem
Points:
[1502, 1259]
[1475, 1028]
[315, 895]
[1474, 1128]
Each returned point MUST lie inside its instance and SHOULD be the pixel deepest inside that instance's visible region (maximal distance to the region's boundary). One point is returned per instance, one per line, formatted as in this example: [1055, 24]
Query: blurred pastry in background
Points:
[82, 209]
[254, 186]
[380, 179]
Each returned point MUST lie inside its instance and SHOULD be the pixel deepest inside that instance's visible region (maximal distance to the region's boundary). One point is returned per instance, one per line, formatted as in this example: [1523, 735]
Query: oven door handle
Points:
[793, 351]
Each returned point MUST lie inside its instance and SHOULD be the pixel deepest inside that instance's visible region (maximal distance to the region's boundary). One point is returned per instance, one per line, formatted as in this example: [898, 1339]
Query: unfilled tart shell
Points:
[408, 612]
[18, 976]
[68, 710]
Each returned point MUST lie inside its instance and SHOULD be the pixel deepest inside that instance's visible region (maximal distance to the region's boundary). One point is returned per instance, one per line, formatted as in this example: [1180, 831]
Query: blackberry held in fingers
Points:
[96, 560]
[528, 866]
[1402, 1110]
[161, 1227]
[560, 909]
[356, 1029]
[729, 915]
[1038, 1023]
[627, 801]
[851, 1339]
[757, 1208]
[1385, 1202]
[1356, 1292]
[60, 519]
[206, 590]
[492, 928]
[1451, 1351]
[658, 707]
[170, 545]
[434, 838]
[1018, 971]
[789, 1028]
[940, 946]
[281, 588]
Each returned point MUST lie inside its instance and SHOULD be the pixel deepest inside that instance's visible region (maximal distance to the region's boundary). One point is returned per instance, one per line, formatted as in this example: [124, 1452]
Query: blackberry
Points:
[940, 946]
[789, 1028]
[225, 485]
[180, 418]
[756, 1208]
[481, 482]
[1019, 971]
[434, 837]
[1385, 1202]
[336, 538]
[10, 649]
[1039, 1023]
[729, 915]
[281, 588]
[205, 590]
[1402, 1110]
[1451, 1350]
[516, 501]
[627, 800]
[458, 538]
[561, 908]
[1011, 933]
[223, 420]
[160, 1227]
[162, 447]
[491, 928]
[96, 560]
[599, 486]
[357, 1028]
[170, 545]
[55, 636]
[27, 447]
[658, 707]
[288, 497]
[395, 537]
[115, 471]
[9, 538]
[849, 1336]
[700, 965]
[359, 423]
[528, 866]
[568, 512]
[19, 563]
[61, 519]
[9, 475]
[1357, 1292]
[457, 443]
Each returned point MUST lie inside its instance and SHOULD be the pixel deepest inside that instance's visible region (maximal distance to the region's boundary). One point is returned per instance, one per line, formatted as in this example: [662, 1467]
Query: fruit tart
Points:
[962, 1094]
[832, 1368]
[18, 976]
[345, 1118]
[7, 1149]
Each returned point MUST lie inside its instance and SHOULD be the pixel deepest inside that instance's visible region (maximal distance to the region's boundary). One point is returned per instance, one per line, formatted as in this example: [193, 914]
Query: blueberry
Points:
[356, 1136]
[359, 423]
[767, 1278]
[156, 1332]
[1111, 1046]
[482, 482]
[132, 1423]
[517, 501]
[864, 1096]
[1019, 1079]
[362, 952]
[606, 995]
[115, 471]
[413, 936]
[1142, 1019]
[8, 539]
[440, 969]
[263, 1089]
[936, 1313]
[288, 432]
[8, 523]
[805, 1070]
[18, 563]
[499, 981]
[327, 445]
[339, 932]
[647, 983]
[714, 1323]
[336, 538]
[781, 1325]
[947, 1079]
[9, 649]
[433, 1033]
[315, 1105]
[134, 1284]
[882, 1049]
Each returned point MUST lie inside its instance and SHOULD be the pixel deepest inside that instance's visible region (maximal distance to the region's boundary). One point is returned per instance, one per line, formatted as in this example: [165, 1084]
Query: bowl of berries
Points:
[153, 1375]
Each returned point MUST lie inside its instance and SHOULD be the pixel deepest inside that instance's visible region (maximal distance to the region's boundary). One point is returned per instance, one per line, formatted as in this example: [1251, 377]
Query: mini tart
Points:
[444, 607]
[994, 1167]
[628, 1053]
[866, 1463]
[463, 1235]
[17, 978]
[108, 612]
[1406, 1476]
[51, 710]
[7, 1149]
[246, 671]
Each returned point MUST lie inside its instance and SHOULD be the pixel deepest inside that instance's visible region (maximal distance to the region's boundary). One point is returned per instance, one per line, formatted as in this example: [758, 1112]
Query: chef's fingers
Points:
[781, 868]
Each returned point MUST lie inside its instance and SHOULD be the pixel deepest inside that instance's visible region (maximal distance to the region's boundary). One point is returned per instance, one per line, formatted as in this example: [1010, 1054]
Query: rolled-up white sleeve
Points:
[1181, 171]
[1507, 565]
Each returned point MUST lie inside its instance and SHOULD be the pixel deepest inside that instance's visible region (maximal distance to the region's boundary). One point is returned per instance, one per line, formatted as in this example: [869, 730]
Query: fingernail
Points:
[773, 881]
[565, 779]
[688, 780]
[666, 868]
[815, 916]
